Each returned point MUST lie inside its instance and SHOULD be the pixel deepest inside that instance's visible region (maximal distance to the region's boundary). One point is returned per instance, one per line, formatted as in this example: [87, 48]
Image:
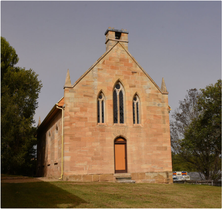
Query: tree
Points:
[19, 93]
[8, 57]
[196, 131]
[182, 117]
[201, 145]
[178, 163]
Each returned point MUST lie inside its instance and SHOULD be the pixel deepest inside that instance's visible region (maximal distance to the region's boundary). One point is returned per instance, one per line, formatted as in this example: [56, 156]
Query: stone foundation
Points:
[90, 178]
[153, 177]
[148, 177]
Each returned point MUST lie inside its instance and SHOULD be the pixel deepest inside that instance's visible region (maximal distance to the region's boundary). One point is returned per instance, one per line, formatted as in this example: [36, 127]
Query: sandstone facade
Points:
[79, 140]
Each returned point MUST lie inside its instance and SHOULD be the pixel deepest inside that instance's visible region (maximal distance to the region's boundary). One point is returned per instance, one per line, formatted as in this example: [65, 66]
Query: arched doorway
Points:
[120, 155]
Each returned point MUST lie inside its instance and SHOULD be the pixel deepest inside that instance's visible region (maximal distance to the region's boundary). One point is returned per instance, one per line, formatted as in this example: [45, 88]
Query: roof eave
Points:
[51, 114]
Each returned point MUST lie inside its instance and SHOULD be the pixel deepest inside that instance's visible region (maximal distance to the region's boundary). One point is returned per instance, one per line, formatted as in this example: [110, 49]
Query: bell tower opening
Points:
[117, 35]
[113, 36]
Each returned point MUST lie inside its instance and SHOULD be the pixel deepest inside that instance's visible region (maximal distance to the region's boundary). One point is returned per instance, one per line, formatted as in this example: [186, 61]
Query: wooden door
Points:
[120, 156]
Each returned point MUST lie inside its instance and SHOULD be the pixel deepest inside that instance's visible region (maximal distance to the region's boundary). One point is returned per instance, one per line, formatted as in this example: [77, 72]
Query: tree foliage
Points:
[200, 146]
[182, 117]
[19, 93]
[8, 57]
[180, 164]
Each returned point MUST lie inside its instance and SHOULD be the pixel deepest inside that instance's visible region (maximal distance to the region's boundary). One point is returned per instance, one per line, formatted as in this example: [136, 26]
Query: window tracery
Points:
[136, 110]
[101, 108]
[118, 103]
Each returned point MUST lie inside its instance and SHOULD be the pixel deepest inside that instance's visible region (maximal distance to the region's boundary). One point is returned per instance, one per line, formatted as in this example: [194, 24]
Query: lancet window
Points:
[118, 103]
[136, 110]
[101, 108]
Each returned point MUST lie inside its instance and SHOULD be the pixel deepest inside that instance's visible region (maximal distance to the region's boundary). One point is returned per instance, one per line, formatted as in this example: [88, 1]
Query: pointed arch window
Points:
[118, 103]
[136, 110]
[101, 108]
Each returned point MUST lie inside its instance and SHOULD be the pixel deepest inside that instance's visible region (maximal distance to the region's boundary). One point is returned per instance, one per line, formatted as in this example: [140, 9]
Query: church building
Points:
[111, 124]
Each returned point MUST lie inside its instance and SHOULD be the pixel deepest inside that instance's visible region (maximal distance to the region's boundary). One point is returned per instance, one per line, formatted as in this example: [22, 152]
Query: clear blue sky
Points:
[180, 41]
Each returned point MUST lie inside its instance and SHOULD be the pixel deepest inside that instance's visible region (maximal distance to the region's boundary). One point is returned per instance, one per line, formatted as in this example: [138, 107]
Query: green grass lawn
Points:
[108, 195]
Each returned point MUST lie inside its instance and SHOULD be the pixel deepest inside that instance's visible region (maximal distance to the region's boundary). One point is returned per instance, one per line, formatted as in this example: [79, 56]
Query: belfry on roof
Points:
[114, 35]
[113, 122]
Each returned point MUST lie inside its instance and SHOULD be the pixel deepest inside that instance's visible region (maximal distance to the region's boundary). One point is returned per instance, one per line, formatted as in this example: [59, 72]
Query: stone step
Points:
[126, 181]
[120, 175]
[123, 178]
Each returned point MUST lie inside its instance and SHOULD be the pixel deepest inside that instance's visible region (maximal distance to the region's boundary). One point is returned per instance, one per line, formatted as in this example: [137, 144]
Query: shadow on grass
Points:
[37, 195]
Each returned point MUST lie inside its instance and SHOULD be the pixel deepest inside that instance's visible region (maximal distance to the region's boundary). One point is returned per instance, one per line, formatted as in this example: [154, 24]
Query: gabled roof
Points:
[104, 55]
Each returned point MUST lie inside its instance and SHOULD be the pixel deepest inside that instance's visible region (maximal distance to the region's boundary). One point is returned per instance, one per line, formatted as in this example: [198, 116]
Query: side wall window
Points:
[136, 110]
[101, 108]
[118, 103]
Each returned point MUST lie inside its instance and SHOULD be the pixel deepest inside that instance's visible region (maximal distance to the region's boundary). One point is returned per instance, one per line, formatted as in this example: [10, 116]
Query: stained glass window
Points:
[115, 109]
[117, 86]
[98, 110]
[102, 111]
[136, 111]
[101, 108]
[121, 108]
[118, 103]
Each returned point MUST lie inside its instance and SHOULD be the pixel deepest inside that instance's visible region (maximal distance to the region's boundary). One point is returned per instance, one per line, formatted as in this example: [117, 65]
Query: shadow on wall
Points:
[41, 158]
[37, 195]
